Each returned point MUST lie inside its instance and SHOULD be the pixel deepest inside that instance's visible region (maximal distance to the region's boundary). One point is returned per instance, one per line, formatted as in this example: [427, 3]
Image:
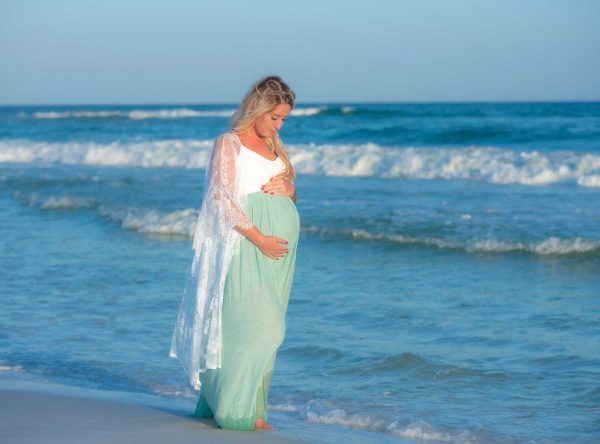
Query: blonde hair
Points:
[264, 96]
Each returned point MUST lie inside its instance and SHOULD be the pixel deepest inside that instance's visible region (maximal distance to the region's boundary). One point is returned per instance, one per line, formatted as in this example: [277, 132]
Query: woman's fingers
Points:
[279, 186]
[281, 250]
[281, 240]
[275, 248]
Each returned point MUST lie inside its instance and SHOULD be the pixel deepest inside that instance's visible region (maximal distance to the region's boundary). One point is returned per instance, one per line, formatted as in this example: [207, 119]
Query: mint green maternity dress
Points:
[255, 302]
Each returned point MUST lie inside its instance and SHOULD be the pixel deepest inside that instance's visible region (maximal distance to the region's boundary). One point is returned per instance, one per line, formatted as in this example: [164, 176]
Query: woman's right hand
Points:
[273, 247]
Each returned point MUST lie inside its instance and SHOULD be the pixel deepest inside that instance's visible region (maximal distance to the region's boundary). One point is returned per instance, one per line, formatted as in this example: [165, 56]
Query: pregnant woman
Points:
[231, 320]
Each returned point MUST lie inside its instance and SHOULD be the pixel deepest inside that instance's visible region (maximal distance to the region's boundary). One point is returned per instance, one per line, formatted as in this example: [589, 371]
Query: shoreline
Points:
[51, 413]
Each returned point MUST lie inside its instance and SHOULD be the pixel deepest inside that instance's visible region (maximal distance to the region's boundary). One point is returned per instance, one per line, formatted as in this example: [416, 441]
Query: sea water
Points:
[447, 285]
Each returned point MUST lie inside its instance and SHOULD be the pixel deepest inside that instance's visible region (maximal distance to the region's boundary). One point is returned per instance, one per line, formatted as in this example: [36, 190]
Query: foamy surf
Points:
[163, 154]
[11, 368]
[55, 202]
[149, 221]
[319, 412]
[549, 246]
[181, 223]
[484, 164]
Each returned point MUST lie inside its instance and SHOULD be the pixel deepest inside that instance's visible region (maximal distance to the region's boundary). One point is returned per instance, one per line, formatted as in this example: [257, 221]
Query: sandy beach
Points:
[34, 413]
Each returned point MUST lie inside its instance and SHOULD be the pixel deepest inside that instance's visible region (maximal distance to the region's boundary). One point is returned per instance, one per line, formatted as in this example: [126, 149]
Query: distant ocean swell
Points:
[181, 223]
[141, 114]
[550, 111]
[485, 164]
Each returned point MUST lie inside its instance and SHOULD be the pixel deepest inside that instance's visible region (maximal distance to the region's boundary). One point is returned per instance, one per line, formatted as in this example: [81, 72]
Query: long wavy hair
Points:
[264, 96]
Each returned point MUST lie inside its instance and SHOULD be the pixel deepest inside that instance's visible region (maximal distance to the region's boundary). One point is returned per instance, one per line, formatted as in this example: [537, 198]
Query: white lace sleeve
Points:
[196, 338]
[221, 207]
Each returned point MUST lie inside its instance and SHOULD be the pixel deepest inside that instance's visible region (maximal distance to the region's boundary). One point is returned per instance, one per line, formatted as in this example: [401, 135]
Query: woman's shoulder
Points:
[227, 137]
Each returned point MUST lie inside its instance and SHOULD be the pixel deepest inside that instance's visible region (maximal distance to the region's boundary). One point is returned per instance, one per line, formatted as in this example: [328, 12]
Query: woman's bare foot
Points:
[261, 424]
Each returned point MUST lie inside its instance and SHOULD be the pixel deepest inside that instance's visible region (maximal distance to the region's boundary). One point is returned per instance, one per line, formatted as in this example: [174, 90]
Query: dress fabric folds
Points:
[255, 302]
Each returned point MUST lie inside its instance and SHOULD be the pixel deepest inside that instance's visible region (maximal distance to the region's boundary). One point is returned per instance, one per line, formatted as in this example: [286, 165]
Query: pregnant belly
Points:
[273, 215]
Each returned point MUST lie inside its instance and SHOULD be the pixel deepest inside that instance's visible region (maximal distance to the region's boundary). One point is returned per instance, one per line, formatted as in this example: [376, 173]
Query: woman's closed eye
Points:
[277, 117]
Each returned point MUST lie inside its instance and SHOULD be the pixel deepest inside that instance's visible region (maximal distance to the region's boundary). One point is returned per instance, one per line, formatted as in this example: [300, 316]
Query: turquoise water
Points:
[447, 275]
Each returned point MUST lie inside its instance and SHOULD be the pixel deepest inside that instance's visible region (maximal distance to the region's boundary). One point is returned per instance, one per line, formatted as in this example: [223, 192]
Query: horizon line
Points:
[368, 102]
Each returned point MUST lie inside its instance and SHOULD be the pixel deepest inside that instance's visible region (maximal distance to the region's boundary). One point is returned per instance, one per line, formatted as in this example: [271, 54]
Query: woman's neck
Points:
[252, 140]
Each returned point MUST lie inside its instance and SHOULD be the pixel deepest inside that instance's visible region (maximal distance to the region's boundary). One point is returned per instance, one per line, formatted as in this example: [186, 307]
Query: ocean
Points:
[447, 284]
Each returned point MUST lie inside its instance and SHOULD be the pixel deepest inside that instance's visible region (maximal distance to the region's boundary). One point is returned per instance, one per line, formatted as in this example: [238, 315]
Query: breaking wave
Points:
[150, 221]
[484, 164]
[549, 246]
[181, 224]
[167, 153]
[55, 202]
[178, 223]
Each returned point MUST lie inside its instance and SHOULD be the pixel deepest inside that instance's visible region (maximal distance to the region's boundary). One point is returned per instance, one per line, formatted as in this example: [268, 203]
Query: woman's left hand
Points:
[279, 186]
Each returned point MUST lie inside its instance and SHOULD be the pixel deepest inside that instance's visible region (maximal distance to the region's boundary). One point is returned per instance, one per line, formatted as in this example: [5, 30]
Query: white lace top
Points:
[254, 170]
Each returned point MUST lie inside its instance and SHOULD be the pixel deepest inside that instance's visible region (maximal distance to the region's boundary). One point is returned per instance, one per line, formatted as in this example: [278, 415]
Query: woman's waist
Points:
[262, 205]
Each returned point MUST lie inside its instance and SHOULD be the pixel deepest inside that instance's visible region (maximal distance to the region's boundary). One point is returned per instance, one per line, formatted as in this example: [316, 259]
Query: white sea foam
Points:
[150, 221]
[136, 114]
[487, 164]
[589, 181]
[554, 245]
[56, 202]
[11, 368]
[315, 412]
[484, 164]
[304, 112]
[166, 113]
[182, 223]
[549, 246]
[143, 220]
[67, 202]
[166, 153]
[175, 391]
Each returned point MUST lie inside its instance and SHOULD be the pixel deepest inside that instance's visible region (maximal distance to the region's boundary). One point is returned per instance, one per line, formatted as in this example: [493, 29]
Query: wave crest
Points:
[484, 164]
[551, 246]
[324, 412]
[179, 223]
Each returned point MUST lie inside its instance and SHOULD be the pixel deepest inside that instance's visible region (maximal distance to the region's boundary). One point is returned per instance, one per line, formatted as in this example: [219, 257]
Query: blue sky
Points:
[184, 51]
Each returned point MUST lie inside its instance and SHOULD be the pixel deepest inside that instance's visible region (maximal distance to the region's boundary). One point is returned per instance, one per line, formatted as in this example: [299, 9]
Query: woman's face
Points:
[269, 123]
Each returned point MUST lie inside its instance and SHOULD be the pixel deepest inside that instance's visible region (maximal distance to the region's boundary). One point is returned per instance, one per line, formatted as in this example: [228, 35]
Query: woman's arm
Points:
[223, 174]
